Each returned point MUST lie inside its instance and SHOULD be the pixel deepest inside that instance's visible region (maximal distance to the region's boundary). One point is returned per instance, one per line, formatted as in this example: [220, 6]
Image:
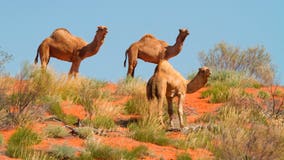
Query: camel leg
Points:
[74, 70]
[44, 55]
[131, 67]
[132, 61]
[161, 92]
[170, 110]
[180, 109]
[160, 109]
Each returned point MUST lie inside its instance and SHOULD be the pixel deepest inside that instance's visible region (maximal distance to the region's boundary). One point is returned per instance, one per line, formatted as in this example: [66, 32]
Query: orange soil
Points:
[194, 107]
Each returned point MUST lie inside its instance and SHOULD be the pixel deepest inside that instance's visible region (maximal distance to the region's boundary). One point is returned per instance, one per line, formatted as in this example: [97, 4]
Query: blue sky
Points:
[242, 23]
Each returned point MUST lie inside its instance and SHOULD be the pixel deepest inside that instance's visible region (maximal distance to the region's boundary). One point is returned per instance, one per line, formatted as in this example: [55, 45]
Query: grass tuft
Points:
[63, 152]
[20, 141]
[54, 131]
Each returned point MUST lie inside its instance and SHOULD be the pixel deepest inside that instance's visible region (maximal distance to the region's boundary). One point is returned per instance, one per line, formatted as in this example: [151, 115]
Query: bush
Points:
[138, 104]
[20, 141]
[183, 156]
[137, 152]
[130, 86]
[1, 139]
[263, 95]
[242, 132]
[223, 86]
[22, 105]
[87, 92]
[148, 129]
[100, 151]
[254, 62]
[63, 152]
[54, 131]
[95, 150]
[55, 108]
[84, 132]
[103, 122]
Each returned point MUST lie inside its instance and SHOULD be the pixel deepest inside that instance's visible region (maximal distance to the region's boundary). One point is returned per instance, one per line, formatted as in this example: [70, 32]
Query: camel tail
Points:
[125, 58]
[36, 58]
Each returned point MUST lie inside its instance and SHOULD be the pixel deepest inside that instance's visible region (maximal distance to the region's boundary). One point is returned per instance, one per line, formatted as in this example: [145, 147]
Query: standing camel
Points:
[64, 46]
[151, 49]
[168, 83]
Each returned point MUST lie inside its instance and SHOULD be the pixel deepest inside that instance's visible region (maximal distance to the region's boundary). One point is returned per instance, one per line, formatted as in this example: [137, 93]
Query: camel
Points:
[151, 49]
[169, 83]
[64, 46]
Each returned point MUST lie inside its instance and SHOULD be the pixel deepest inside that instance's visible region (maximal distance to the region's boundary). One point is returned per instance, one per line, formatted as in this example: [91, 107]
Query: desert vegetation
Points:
[116, 121]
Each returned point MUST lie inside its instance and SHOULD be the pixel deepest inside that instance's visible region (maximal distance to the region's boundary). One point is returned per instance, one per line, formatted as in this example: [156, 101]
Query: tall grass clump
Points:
[23, 104]
[88, 92]
[222, 86]
[102, 115]
[149, 129]
[254, 62]
[1, 139]
[84, 132]
[183, 156]
[55, 109]
[63, 151]
[96, 150]
[138, 104]
[21, 141]
[55, 131]
[103, 122]
[239, 132]
[130, 86]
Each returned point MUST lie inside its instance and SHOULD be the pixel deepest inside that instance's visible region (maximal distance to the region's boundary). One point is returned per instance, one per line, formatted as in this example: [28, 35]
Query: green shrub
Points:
[239, 132]
[103, 122]
[138, 104]
[263, 95]
[200, 139]
[54, 131]
[84, 132]
[87, 92]
[148, 129]
[183, 156]
[56, 109]
[218, 93]
[130, 86]
[21, 140]
[100, 151]
[1, 139]
[95, 150]
[137, 152]
[63, 152]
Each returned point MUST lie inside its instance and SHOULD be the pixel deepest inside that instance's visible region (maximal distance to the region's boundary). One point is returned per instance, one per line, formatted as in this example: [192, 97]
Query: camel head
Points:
[102, 31]
[204, 72]
[184, 31]
[199, 80]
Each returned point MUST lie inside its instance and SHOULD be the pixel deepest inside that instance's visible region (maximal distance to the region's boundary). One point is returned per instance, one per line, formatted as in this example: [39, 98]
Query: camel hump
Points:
[60, 30]
[147, 36]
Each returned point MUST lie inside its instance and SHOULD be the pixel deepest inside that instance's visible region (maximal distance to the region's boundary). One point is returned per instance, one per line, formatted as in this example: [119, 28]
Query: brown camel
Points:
[152, 50]
[64, 46]
[167, 82]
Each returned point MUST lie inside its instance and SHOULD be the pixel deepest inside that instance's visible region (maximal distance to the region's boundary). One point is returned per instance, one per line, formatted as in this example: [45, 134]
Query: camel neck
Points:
[92, 48]
[195, 84]
[175, 49]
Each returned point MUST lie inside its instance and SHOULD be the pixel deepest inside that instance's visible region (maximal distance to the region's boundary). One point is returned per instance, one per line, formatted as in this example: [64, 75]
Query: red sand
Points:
[193, 103]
